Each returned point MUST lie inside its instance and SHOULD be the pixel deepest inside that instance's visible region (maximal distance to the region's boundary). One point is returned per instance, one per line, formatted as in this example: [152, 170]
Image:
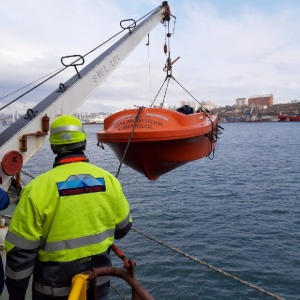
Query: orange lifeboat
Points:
[160, 139]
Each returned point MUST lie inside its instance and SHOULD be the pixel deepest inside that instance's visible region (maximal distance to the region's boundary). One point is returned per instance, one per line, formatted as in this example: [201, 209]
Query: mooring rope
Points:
[117, 292]
[224, 273]
[208, 265]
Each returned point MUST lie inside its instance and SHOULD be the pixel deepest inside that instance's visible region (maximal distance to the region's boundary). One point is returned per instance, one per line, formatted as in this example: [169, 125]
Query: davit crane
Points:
[20, 141]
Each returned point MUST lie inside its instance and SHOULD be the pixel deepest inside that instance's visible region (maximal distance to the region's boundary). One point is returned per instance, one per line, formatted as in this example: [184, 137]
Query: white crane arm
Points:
[22, 139]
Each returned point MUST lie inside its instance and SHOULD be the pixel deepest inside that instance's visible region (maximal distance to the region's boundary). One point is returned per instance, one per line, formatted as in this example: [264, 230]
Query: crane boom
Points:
[21, 140]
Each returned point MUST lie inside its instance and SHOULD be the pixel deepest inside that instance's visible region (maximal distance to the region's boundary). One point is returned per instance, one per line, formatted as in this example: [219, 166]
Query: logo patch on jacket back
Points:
[81, 184]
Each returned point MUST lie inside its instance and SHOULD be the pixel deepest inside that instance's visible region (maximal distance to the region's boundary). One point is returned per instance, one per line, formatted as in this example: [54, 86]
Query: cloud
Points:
[241, 52]
[226, 51]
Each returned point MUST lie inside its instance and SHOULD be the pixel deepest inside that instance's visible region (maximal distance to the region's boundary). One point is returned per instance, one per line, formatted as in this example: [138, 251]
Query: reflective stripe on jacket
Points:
[65, 221]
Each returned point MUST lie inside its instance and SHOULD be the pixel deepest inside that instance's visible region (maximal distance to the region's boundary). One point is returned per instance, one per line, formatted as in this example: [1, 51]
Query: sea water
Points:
[239, 212]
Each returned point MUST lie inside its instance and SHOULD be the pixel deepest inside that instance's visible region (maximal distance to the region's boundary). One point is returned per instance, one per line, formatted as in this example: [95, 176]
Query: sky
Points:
[227, 49]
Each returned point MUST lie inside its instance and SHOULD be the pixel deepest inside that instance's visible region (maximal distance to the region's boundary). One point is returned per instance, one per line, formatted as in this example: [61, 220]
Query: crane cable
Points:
[215, 131]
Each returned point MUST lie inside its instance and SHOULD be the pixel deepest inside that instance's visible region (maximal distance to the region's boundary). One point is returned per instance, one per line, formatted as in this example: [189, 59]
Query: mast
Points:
[22, 139]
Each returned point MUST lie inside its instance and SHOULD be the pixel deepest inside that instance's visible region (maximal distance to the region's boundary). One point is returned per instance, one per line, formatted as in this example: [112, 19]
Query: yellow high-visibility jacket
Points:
[64, 224]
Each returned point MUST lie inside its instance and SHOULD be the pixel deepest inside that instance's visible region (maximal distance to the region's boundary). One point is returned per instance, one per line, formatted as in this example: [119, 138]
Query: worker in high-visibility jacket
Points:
[65, 222]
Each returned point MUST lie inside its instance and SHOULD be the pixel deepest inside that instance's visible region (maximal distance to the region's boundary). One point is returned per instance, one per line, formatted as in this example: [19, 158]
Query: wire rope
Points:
[129, 140]
[193, 258]
[224, 273]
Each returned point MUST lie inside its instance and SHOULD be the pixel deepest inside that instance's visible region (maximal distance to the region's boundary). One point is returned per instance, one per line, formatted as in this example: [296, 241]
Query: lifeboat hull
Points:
[161, 141]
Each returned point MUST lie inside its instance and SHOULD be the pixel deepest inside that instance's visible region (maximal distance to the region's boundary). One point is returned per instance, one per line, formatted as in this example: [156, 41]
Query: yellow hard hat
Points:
[66, 134]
